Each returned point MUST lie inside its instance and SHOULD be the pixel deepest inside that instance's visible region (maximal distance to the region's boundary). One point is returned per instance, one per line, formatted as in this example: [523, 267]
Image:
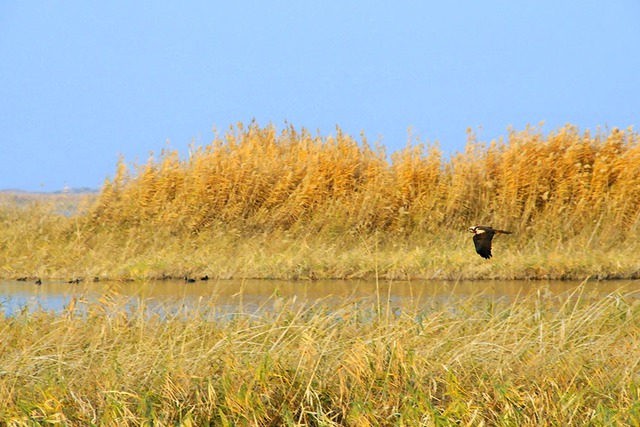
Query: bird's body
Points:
[482, 237]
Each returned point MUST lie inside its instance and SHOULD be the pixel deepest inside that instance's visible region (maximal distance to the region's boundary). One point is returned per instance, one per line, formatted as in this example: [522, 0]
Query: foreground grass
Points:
[570, 359]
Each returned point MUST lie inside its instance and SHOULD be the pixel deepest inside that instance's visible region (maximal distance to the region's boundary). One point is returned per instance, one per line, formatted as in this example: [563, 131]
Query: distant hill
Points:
[79, 190]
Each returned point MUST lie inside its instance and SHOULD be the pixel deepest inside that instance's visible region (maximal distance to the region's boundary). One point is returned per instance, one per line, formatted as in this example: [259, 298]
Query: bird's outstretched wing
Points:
[483, 244]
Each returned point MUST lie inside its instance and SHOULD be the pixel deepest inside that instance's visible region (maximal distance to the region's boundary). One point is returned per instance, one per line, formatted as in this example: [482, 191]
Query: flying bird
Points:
[482, 237]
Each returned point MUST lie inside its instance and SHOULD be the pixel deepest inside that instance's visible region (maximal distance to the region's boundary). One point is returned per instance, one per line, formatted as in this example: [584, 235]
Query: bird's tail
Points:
[503, 232]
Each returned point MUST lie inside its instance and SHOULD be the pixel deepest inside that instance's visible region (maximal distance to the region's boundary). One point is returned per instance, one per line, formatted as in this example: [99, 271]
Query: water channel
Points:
[255, 295]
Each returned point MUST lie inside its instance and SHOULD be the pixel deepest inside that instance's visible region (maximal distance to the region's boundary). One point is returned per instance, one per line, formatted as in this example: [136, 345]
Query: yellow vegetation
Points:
[254, 178]
[568, 360]
[257, 195]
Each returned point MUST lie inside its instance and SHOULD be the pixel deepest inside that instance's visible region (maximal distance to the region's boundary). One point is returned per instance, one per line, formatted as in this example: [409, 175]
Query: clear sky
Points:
[82, 82]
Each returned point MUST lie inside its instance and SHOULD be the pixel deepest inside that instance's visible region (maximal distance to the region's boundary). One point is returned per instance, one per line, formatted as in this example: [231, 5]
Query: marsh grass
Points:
[569, 359]
[256, 203]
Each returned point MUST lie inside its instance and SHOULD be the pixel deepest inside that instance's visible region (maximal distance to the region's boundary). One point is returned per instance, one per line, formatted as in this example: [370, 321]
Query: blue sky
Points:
[83, 82]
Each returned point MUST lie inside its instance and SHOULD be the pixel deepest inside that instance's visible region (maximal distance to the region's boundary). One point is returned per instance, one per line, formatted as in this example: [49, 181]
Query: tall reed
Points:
[299, 205]
[566, 183]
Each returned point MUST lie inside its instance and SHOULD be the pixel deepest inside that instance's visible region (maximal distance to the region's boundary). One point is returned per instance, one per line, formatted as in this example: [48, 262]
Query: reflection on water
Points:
[252, 295]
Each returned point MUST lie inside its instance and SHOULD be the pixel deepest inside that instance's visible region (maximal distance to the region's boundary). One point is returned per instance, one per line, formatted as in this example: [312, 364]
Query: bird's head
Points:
[472, 229]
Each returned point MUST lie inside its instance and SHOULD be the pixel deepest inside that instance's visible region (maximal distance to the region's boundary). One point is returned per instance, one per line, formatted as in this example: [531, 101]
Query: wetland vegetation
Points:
[568, 359]
[256, 203]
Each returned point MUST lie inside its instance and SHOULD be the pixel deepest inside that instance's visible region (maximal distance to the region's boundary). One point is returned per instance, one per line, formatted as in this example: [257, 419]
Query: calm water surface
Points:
[254, 295]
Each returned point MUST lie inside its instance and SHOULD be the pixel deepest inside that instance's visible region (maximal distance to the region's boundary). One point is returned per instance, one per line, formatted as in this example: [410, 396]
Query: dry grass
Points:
[564, 184]
[257, 203]
[567, 360]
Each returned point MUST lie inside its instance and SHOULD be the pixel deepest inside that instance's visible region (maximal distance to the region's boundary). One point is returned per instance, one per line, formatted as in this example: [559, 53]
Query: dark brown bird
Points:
[482, 237]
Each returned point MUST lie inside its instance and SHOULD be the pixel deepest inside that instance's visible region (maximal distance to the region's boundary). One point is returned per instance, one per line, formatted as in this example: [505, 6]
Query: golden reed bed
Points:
[261, 204]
